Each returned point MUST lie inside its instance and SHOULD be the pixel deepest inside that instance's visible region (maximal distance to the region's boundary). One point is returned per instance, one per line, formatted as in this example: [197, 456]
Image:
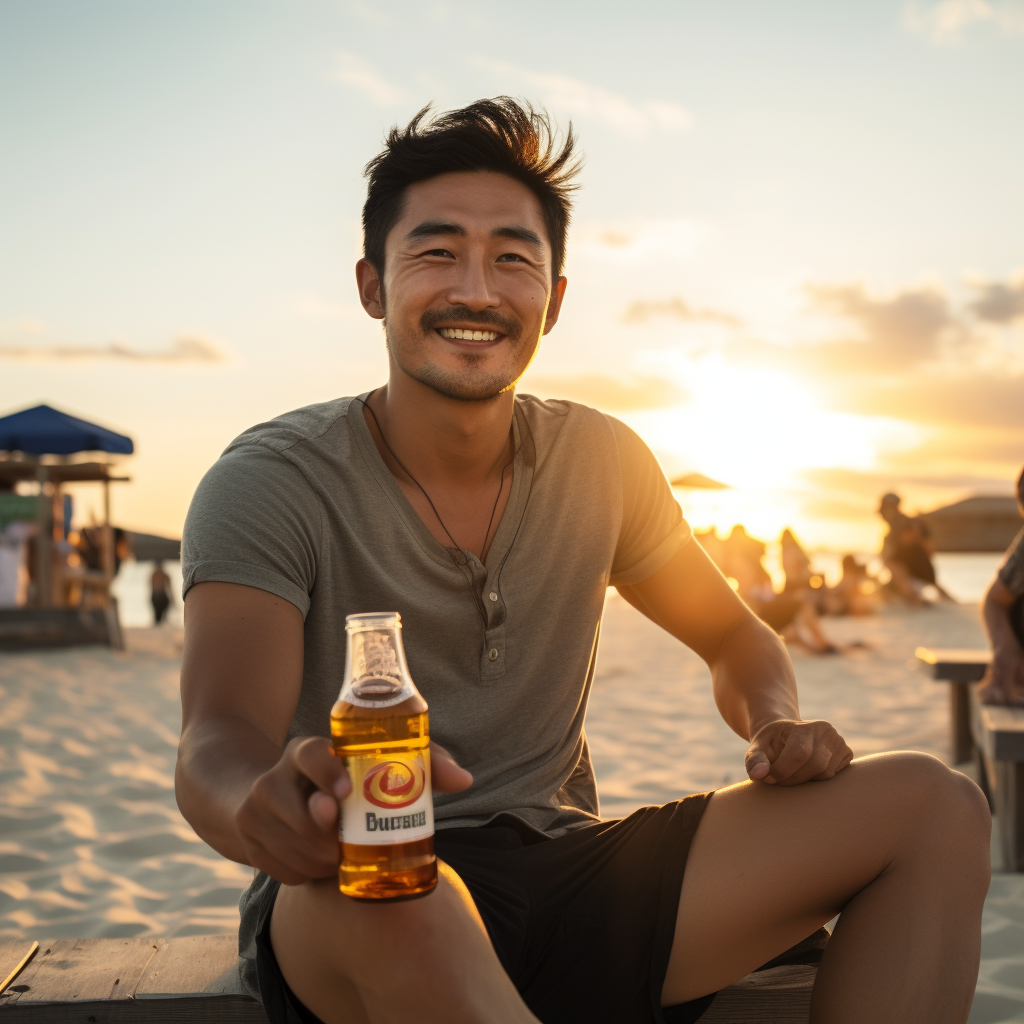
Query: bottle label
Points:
[391, 800]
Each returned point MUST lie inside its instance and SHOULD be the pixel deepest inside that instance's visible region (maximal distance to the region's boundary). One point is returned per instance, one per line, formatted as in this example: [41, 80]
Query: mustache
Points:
[506, 325]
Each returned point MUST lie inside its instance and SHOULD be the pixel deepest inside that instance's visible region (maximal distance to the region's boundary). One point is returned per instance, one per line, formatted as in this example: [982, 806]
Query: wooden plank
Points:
[188, 981]
[955, 664]
[17, 968]
[207, 1010]
[1009, 797]
[193, 966]
[781, 995]
[83, 970]
[1003, 731]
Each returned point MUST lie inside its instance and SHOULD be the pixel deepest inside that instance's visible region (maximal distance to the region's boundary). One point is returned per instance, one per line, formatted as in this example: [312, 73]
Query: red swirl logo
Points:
[394, 784]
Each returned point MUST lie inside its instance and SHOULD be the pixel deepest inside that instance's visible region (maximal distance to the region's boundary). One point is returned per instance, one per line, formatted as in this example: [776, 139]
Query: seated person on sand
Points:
[792, 613]
[1003, 613]
[907, 553]
[494, 523]
[855, 592]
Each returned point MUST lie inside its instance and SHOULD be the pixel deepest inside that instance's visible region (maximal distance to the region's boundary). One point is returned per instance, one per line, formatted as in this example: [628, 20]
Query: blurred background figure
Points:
[792, 613]
[796, 564]
[856, 593]
[907, 553]
[160, 588]
[1003, 613]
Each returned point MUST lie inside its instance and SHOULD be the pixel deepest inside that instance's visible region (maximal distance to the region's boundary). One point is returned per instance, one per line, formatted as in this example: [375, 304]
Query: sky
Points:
[796, 261]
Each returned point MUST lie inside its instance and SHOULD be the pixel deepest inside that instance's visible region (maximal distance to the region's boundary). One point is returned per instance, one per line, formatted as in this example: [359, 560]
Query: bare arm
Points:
[253, 797]
[752, 675]
[1004, 681]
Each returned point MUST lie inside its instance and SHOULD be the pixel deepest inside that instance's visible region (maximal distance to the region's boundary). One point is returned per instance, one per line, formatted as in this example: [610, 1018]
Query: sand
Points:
[91, 843]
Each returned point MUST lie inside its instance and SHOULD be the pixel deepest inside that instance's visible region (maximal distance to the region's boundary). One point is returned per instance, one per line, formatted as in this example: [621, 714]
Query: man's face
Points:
[467, 282]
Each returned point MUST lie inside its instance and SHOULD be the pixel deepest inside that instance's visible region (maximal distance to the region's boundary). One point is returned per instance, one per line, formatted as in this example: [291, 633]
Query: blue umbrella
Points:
[43, 430]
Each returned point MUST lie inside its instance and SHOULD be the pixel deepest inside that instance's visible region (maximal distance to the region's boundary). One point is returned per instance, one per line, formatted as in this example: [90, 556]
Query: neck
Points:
[442, 439]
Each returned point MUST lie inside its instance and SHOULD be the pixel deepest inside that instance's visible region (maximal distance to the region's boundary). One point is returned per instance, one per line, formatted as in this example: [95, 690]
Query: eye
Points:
[446, 253]
[511, 257]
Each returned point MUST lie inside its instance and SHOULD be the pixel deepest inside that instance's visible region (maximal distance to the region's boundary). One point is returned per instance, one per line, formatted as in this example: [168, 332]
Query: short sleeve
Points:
[253, 520]
[653, 528]
[1011, 572]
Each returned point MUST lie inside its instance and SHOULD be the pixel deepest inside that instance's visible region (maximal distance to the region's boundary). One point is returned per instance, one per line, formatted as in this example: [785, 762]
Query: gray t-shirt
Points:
[305, 508]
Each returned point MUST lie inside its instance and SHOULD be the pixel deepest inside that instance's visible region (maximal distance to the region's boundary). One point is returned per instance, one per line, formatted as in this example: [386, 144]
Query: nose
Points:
[473, 287]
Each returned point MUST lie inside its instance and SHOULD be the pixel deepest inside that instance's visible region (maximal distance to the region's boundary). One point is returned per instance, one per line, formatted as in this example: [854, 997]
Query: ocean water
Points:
[131, 588]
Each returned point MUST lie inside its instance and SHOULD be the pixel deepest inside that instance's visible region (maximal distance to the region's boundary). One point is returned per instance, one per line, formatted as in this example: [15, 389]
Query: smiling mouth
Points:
[458, 334]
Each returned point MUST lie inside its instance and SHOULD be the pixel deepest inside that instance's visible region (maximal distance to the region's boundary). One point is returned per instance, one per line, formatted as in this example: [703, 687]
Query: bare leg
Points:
[428, 960]
[898, 842]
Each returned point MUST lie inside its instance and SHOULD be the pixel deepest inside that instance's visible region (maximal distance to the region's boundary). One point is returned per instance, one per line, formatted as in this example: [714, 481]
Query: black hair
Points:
[499, 134]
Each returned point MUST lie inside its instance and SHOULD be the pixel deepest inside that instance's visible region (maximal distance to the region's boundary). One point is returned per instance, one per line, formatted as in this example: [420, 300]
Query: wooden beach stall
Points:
[68, 599]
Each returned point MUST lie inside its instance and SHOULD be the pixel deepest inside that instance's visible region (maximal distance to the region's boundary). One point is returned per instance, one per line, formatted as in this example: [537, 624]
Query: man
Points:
[907, 553]
[494, 523]
[1003, 612]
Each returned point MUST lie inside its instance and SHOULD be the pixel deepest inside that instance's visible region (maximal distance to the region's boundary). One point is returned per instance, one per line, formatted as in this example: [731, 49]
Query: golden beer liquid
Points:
[388, 871]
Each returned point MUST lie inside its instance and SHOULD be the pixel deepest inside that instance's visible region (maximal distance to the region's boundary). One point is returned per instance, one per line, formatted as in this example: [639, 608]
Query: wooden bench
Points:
[960, 667]
[195, 979]
[991, 736]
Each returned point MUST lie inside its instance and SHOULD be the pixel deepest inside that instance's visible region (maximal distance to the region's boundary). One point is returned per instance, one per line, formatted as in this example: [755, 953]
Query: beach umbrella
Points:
[43, 430]
[699, 482]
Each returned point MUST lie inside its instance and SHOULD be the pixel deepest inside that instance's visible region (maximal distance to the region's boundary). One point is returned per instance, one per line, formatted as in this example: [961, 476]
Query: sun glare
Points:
[756, 430]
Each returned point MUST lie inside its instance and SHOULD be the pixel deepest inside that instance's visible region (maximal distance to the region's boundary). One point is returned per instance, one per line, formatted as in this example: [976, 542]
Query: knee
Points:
[941, 803]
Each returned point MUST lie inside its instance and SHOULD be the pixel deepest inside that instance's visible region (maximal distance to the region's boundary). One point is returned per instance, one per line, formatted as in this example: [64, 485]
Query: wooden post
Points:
[107, 553]
[44, 542]
[960, 722]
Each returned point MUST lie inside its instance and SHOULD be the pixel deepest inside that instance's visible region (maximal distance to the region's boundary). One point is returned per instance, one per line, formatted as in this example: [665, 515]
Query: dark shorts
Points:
[583, 924]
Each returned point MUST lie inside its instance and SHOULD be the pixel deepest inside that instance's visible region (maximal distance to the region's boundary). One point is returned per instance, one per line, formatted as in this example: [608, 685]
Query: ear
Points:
[555, 304]
[370, 289]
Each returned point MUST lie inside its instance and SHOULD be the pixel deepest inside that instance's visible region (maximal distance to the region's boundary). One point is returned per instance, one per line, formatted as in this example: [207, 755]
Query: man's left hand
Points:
[788, 752]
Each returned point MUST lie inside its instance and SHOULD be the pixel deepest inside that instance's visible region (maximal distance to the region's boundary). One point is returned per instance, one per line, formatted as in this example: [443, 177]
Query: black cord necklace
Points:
[423, 490]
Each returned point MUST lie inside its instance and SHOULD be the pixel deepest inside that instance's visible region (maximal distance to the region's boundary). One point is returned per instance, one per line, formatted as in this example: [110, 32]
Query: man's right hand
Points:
[288, 822]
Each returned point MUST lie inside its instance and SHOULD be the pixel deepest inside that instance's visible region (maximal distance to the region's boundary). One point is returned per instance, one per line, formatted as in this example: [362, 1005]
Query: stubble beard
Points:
[465, 385]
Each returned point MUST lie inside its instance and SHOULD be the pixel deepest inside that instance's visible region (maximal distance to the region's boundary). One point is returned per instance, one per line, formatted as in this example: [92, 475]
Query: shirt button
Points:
[493, 596]
[492, 654]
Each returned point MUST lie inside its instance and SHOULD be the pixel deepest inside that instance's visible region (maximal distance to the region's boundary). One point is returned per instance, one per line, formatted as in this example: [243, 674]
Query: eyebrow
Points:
[433, 228]
[430, 228]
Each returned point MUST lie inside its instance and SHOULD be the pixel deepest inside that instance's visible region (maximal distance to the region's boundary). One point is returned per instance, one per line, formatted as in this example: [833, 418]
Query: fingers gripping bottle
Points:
[379, 728]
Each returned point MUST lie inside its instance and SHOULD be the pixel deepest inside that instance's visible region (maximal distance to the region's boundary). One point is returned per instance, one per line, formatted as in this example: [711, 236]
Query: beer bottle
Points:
[379, 728]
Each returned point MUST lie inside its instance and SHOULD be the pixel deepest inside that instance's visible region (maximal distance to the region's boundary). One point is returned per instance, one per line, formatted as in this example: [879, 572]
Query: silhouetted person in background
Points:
[907, 553]
[854, 594]
[160, 585]
[791, 614]
[1003, 613]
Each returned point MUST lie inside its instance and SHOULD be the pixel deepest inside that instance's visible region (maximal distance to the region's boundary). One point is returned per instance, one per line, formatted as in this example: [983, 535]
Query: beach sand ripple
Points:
[92, 843]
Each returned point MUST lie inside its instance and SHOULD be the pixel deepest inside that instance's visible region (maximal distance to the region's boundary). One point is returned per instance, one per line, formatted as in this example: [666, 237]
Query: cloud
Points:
[962, 400]
[582, 99]
[999, 303]
[643, 310]
[360, 75]
[631, 240]
[946, 23]
[608, 393]
[896, 331]
[185, 349]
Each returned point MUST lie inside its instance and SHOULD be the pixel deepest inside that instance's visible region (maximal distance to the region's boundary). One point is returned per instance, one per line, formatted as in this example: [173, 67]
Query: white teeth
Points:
[458, 334]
